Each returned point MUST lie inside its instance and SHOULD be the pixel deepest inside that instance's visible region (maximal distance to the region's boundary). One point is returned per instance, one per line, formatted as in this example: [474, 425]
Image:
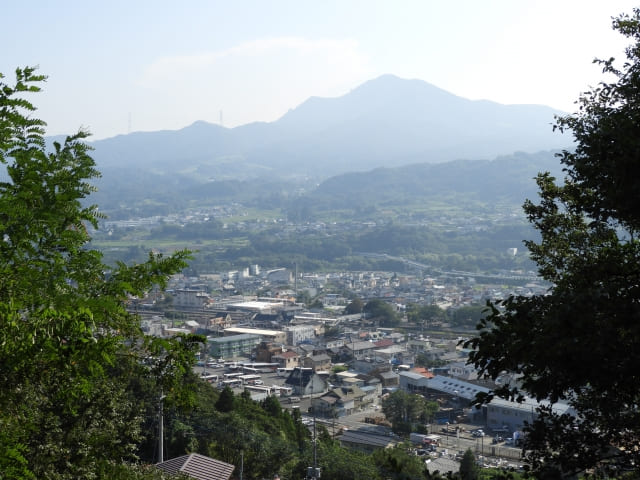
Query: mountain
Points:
[503, 180]
[385, 122]
[464, 186]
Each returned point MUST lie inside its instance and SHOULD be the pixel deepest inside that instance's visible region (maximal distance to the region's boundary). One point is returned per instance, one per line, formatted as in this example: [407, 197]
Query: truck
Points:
[424, 439]
[379, 420]
[419, 438]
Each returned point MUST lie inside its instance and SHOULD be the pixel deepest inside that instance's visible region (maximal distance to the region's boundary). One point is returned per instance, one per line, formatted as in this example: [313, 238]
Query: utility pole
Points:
[161, 430]
[313, 473]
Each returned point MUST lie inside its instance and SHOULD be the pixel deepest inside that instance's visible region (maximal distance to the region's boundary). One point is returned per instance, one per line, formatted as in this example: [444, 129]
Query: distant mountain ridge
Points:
[385, 122]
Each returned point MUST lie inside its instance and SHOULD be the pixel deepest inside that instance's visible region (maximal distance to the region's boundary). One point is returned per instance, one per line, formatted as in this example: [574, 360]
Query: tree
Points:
[425, 314]
[580, 344]
[395, 463]
[381, 312]
[355, 306]
[69, 345]
[468, 468]
[403, 409]
[226, 400]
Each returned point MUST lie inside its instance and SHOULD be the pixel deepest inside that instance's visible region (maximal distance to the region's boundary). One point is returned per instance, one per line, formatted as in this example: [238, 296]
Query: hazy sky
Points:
[117, 66]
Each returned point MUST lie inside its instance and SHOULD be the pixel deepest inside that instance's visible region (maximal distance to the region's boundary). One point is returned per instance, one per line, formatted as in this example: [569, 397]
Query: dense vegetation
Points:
[343, 247]
[70, 350]
[581, 343]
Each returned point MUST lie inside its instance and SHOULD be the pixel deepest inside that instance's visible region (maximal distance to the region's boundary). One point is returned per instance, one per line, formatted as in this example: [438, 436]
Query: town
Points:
[337, 364]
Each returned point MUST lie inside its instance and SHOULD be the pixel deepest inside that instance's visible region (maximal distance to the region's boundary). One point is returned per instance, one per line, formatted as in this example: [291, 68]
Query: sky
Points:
[116, 67]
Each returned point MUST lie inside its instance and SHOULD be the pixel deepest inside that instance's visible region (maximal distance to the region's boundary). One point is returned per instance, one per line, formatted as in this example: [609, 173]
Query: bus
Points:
[210, 378]
[283, 391]
[248, 379]
[233, 383]
[262, 389]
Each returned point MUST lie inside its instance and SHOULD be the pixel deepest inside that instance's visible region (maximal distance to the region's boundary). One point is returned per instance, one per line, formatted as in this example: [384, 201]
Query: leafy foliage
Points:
[404, 409]
[65, 330]
[468, 467]
[355, 306]
[581, 342]
[381, 312]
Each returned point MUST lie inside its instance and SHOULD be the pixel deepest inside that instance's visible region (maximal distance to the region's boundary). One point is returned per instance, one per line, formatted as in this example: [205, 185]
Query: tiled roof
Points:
[198, 467]
[323, 357]
[294, 377]
[423, 371]
[360, 346]
[287, 354]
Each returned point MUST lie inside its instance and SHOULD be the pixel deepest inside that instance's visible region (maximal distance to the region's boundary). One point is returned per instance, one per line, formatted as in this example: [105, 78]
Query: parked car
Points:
[478, 433]
[497, 439]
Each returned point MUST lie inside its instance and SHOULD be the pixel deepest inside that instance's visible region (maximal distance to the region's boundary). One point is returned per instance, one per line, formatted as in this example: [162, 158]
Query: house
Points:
[419, 345]
[219, 322]
[266, 350]
[388, 378]
[463, 371]
[304, 381]
[318, 363]
[442, 465]
[339, 402]
[360, 350]
[198, 467]
[288, 359]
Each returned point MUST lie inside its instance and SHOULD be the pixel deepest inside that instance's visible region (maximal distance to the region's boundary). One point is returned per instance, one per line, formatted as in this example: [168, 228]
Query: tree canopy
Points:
[580, 344]
[381, 312]
[69, 345]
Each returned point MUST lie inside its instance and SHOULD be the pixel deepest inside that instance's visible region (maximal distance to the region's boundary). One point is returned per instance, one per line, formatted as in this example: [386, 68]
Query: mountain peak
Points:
[387, 121]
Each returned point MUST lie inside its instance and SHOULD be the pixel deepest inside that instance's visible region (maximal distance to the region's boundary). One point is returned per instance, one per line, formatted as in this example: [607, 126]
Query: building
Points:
[288, 359]
[413, 382]
[318, 363]
[339, 402]
[388, 378]
[498, 414]
[190, 298]
[463, 371]
[503, 414]
[233, 346]
[279, 276]
[272, 336]
[365, 442]
[304, 381]
[300, 333]
[198, 467]
[360, 350]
